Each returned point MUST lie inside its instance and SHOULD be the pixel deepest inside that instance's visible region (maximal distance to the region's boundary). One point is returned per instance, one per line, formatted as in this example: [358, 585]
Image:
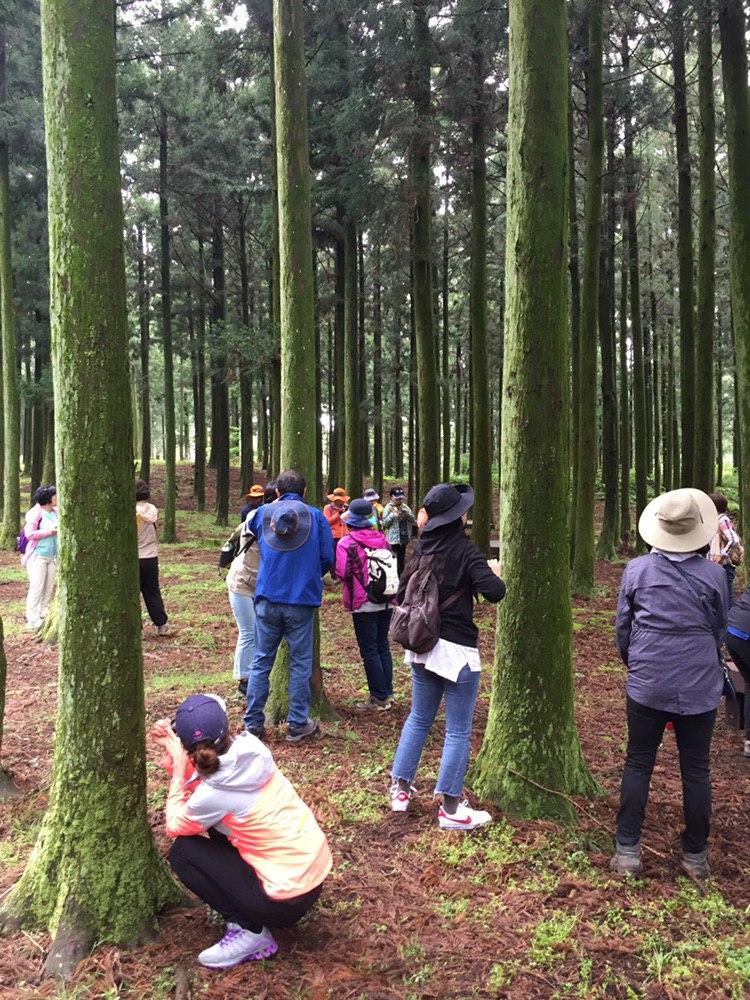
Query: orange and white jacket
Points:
[251, 801]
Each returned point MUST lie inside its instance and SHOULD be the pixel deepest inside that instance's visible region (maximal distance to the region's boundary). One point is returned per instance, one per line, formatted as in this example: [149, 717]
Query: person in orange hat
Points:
[333, 511]
[254, 498]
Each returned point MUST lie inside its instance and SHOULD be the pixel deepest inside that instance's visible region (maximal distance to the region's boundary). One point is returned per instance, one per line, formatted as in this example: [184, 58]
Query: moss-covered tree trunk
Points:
[7, 788]
[297, 309]
[247, 458]
[625, 457]
[703, 463]
[219, 374]
[445, 412]
[481, 423]
[428, 397]
[574, 270]
[144, 324]
[737, 107]
[684, 244]
[352, 401]
[608, 536]
[583, 549]
[531, 739]
[95, 874]
[377, 369]
[11, 519]
[169, 529]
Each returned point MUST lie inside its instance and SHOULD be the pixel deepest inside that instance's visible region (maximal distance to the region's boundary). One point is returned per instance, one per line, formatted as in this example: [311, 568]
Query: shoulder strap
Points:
[708, 611]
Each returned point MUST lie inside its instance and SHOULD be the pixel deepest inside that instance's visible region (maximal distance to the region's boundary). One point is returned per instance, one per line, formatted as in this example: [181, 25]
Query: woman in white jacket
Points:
[40, 555]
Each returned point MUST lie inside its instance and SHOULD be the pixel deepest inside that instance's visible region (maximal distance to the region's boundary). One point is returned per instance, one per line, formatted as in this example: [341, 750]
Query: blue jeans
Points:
[371, 630]
[427, 692]
[731, 572]
[243, 609]
[274, 622]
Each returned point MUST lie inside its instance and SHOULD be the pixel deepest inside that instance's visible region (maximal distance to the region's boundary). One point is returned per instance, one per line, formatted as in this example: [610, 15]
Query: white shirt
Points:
[446, 659]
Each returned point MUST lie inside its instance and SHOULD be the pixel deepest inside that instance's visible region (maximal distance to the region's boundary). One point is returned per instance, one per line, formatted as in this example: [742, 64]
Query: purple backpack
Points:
[23, 539]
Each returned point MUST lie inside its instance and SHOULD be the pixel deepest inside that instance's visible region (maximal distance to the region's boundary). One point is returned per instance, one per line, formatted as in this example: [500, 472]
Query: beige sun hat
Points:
[680, 521]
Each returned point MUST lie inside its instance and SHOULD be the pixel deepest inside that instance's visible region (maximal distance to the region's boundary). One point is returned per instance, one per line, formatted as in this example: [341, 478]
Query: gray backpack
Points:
[415, 624]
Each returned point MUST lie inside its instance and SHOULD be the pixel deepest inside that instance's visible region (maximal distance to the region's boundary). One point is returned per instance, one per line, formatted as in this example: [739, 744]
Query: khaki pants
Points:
[41, 572]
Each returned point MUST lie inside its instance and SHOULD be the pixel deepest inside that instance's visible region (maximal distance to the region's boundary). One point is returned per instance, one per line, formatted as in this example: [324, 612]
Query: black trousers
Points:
[149, 572]
[216, 872]
[400, 551]
[740, 650]
[693, 734]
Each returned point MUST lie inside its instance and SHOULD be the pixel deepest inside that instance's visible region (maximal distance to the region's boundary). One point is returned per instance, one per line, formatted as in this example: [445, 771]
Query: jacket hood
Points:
[370, 537]
[441, 539]
[246, 762]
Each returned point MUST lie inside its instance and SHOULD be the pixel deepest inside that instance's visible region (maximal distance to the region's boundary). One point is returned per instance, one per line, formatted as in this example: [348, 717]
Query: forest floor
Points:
[519, 910]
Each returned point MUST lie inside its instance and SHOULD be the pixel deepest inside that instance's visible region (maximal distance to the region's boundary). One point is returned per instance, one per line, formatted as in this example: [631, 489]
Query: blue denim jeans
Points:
[243, 609]
[274, 622]
[428, 690]
[731, 572]
[371, 630]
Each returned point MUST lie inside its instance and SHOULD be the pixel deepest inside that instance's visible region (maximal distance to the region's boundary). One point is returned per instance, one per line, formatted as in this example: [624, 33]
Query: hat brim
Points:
[653, 534]
[333, 498]
[457, 511]
[282, 543]
[354, 522]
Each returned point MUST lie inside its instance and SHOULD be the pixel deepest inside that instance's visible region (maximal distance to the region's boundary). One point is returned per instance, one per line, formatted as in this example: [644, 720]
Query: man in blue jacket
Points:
[296, 551]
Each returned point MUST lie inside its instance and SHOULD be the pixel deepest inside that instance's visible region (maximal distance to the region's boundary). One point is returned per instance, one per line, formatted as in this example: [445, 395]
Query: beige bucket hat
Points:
[679, 521]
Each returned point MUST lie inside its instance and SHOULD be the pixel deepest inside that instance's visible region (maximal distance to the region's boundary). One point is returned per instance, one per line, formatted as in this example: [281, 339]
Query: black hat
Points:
[445, 503]
[397, 493]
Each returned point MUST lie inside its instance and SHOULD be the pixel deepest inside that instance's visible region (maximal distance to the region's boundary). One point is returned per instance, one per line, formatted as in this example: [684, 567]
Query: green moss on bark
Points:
[94, 874]
[531, 731]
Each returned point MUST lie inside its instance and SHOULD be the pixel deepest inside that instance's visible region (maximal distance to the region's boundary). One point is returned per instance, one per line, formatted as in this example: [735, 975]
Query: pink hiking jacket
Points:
[354, 594]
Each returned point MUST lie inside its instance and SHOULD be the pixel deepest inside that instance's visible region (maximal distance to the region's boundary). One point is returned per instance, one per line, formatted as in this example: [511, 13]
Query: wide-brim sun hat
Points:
[339, 494]
[679, 521]
[256, 492]
[445, 503]
[286, 525]
[360, 514]
[370, 495]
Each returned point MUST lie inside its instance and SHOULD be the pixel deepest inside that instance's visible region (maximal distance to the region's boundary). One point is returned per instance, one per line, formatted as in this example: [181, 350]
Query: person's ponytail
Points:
[206, 756]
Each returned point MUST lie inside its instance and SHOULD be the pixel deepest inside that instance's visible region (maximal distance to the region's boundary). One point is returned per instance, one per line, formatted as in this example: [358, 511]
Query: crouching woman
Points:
[264, 860]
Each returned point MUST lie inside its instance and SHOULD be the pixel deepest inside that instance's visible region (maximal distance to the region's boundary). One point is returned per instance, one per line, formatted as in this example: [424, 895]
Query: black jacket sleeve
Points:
[483, 580]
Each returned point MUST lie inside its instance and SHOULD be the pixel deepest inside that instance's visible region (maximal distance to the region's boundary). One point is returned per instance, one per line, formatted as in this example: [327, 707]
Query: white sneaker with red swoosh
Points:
[400, 798]
[463, 818]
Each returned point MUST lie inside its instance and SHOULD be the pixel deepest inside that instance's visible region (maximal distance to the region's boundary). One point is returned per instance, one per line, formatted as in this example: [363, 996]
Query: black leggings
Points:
[216, 872]
[740, 650]
[149, 572]
[645, 731]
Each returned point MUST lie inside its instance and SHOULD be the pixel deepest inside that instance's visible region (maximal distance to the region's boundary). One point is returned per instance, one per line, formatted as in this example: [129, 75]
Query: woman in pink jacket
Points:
[367, 568]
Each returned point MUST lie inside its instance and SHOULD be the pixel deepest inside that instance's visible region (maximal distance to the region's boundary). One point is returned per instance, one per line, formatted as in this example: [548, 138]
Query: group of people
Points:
[265, 858]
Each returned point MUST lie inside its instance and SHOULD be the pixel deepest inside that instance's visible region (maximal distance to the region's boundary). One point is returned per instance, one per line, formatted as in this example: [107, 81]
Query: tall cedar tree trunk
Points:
[531, 740]
[481, 436]
[297, 319]
[610, 450]
[445, 354]
[318, 487]
[737, 107]
[364, 436]
[584, 556]
[199, 406]
[219, 373]
[37, 430]
[398, 425]
[10, 398]
[377, 370]
[655, 363]
[169, 532]
[684, 244]
[625, 456]
[575, 316]
[703, 459]
[144, 322]
[48, 468]
[95, 873]
[339, 329]
[457, 451]
[276, 397]
[352, 400]
[247, 459]
[428, 399]
[718, 396]
[636, 320]
[7, 787]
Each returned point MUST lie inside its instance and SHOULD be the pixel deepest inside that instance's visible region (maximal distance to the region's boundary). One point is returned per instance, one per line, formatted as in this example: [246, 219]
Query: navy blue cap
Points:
[201, 718]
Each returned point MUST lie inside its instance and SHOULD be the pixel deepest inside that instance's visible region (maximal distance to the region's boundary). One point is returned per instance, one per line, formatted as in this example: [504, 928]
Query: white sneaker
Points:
[747, 748]
[463, 818]
[400, 798]
[238, 946]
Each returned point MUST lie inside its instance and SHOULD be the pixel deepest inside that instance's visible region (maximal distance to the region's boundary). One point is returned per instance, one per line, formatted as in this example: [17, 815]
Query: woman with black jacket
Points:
[451, 669]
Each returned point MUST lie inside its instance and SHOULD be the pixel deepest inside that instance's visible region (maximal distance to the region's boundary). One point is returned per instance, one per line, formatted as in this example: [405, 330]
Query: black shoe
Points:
[242, 688]
[257, 731]
[296, 733]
